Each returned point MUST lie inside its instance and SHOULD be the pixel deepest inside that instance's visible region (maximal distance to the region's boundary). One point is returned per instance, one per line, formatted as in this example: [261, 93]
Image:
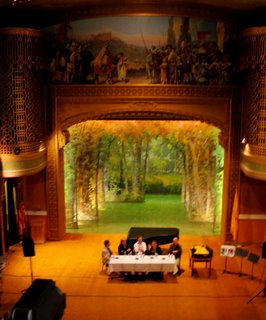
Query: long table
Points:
[135, 263]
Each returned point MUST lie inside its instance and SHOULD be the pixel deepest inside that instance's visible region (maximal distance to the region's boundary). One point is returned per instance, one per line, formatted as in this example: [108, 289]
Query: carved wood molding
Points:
[144, 102]
[166, 91]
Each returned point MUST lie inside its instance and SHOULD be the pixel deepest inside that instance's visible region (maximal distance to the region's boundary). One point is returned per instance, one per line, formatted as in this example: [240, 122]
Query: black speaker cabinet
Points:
[41, 301]
[28, 247]
[263, 253]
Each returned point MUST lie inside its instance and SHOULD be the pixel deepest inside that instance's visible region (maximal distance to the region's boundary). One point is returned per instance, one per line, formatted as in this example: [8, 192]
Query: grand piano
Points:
[161, 235]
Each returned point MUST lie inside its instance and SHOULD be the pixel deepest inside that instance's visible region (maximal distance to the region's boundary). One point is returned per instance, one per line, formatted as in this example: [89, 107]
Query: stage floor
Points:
[75, 265]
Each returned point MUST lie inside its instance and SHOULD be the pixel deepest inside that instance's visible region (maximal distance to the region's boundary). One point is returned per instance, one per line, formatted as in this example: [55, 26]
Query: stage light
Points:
[17, 151]
[42, 146]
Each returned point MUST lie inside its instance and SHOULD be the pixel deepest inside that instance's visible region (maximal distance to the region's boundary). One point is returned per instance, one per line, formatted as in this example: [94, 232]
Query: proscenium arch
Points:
[73, 105]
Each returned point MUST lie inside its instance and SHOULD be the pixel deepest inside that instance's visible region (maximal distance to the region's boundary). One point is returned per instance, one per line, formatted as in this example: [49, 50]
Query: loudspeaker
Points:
[41, 301]
[28, 247]
[22, 314]
[263, 253]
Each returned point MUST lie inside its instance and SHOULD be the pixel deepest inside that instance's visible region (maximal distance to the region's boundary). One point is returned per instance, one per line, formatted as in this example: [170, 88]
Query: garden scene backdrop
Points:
[120, 174]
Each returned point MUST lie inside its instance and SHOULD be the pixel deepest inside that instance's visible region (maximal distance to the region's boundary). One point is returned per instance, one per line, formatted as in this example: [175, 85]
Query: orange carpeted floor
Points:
[75, 265]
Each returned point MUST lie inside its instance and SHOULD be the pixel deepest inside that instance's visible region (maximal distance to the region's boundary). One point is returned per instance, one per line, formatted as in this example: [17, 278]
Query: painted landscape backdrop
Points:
[120, 174]
[146, 49]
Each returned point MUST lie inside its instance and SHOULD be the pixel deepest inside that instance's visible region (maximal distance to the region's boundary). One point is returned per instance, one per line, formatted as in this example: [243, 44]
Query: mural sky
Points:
[130, 29]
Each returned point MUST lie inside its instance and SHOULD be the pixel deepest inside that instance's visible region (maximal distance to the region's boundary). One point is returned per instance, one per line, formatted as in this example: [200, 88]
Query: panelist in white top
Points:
[140, 246]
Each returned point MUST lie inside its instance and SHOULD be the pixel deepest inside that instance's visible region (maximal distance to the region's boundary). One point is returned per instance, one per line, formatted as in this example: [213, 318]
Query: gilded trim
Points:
[252, 217]
[21, 165]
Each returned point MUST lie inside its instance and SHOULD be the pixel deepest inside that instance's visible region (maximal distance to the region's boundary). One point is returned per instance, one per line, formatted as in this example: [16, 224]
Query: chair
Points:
[104, 263]
[104, 266]
[200, 254]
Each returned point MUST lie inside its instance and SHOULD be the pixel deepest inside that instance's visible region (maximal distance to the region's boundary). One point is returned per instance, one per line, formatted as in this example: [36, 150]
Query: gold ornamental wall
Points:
[22, 63]
[253, 65]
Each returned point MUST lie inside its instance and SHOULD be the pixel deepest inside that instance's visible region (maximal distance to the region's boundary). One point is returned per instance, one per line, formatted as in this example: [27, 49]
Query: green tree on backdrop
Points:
[124, 160]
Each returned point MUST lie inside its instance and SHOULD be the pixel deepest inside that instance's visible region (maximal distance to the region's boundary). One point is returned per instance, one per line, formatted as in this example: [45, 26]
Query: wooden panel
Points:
[251, 230]
[38, 226]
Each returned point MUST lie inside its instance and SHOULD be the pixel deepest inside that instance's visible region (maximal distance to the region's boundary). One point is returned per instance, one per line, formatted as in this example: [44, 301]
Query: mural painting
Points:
[142, 50]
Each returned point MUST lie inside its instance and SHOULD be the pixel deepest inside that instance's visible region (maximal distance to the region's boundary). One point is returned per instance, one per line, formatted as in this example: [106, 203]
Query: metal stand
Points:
[241, 264]
[263, 290]
[225, 265]
[31, 270]
[31, 274]
[241, 253]
[253, 258]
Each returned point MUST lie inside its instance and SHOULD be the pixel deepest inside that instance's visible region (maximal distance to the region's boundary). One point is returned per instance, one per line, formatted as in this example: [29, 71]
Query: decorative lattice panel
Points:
[21, 98]
[253, 63]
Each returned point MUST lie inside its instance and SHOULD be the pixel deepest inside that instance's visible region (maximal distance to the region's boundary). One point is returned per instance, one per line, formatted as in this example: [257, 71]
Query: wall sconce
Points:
[17, 151]
[42, 146]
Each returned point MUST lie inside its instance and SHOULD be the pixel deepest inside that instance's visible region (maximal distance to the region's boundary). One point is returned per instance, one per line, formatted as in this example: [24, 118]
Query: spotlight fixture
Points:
[42, 146]
[17, 151]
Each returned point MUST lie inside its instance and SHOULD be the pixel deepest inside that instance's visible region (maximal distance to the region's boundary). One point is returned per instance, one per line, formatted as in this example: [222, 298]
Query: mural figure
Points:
[73, 64]
[86, 67]
[172, 65]
[163, 68]
[103, 65]
[226, 70]
[122, 67]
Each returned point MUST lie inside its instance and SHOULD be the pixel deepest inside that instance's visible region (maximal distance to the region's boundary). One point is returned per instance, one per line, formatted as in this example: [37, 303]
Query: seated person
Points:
[106, 253]
[123, 248]
[140, 246]
[176, 250]
[153, 248]
[140, 249]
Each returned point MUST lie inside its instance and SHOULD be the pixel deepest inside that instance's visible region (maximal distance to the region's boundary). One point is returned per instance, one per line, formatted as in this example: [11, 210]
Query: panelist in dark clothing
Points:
[123, 248]
[176, 250]
[154, 249]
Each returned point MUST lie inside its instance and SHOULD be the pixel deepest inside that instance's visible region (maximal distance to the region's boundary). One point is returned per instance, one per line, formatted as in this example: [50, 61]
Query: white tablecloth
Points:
[160, 263]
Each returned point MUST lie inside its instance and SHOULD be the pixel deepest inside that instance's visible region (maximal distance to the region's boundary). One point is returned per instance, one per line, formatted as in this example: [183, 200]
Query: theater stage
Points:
[75, 265]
